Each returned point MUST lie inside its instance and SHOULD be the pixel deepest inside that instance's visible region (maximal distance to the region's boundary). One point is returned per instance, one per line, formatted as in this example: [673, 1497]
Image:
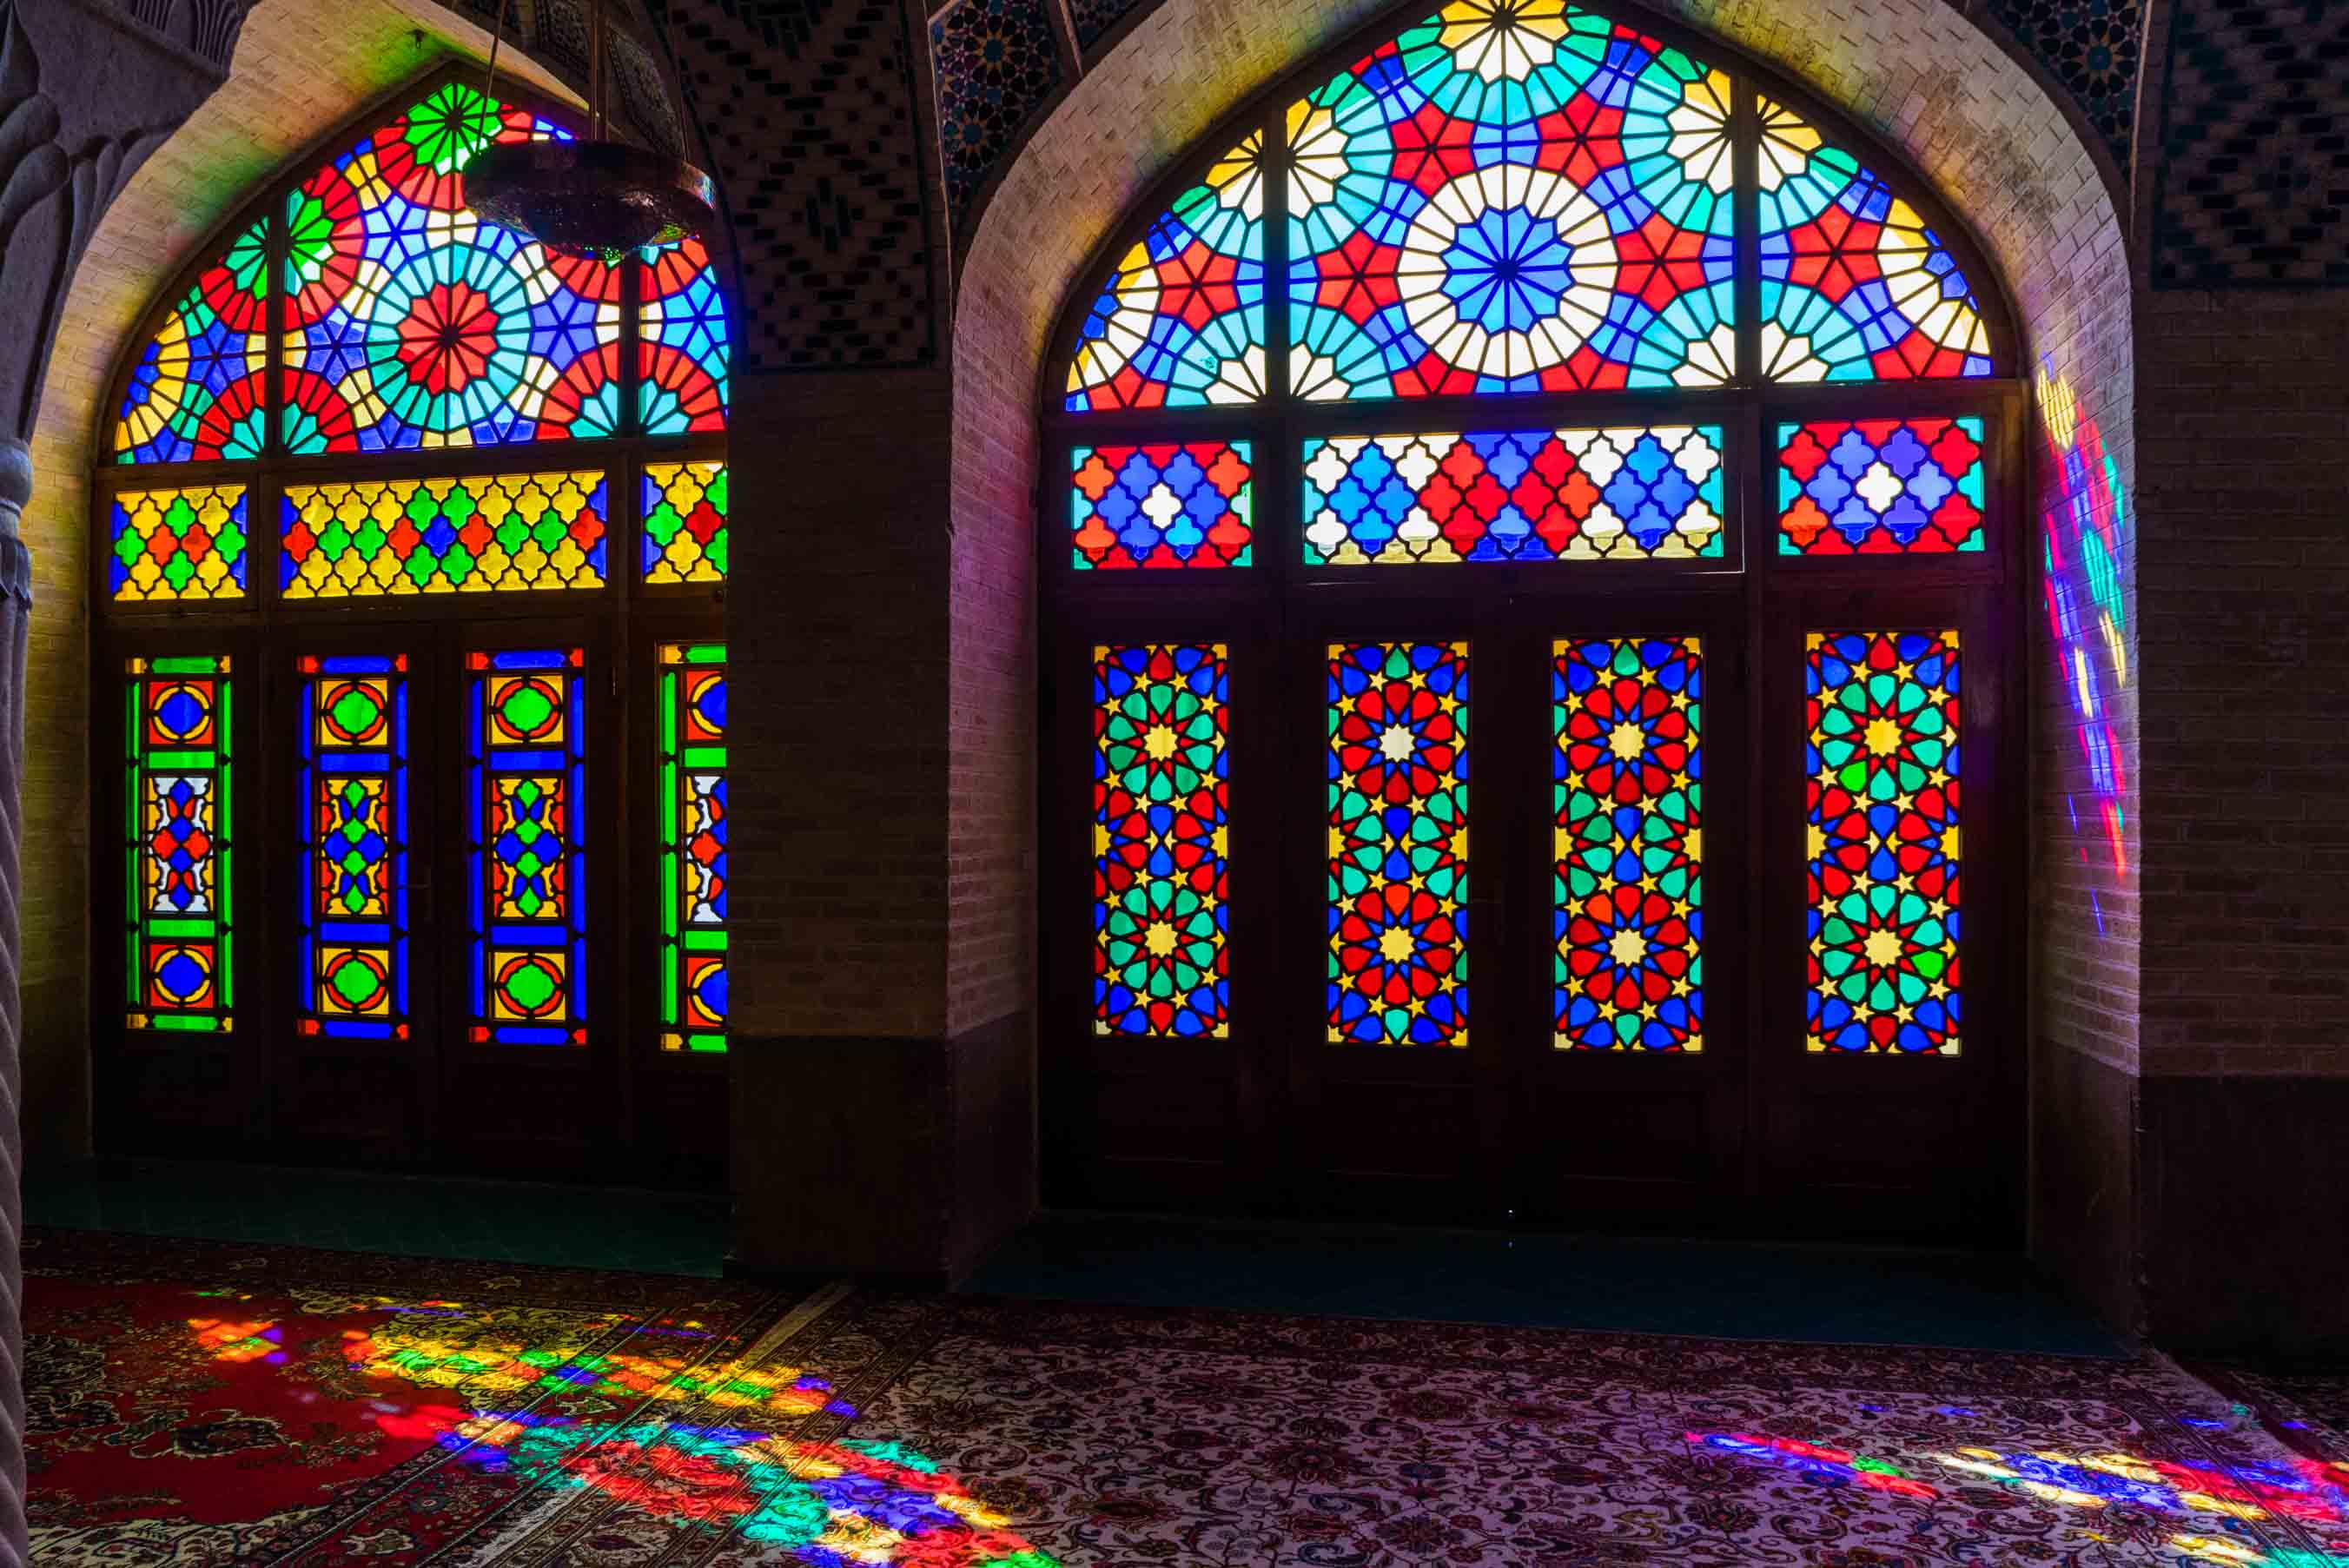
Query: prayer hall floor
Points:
[229, 1402]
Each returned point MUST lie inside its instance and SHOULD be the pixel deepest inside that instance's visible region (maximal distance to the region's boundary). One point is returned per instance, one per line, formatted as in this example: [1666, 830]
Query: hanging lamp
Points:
[592, 198]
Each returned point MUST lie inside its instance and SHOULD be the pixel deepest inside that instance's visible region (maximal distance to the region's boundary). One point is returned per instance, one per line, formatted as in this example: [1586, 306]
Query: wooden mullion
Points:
[1746, 214]
[1275, 135]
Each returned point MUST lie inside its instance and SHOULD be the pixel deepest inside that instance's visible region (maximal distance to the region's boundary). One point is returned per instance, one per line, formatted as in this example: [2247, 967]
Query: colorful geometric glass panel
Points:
[179, 812]
[1881, 486]
[685, 523]
[1397, 763]
[410, 322]
[1652, 493]
[1160, 506]
[1160, 773]
[692, 805]
[1181, 321]
[1883, 784]
[526, 812]
[1627, 771]
[1511, 198]
[681, 343]
[472, 535]
[1854, 288]
[199, 386]
[351, 958]
[178, 544]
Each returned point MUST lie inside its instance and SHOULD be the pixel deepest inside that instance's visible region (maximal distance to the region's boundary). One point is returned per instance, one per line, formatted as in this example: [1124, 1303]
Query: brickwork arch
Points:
[1925, 79]
[301, 68]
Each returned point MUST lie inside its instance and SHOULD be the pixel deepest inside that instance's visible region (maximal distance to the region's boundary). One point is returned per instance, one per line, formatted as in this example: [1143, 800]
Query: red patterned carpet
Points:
[197, 1404]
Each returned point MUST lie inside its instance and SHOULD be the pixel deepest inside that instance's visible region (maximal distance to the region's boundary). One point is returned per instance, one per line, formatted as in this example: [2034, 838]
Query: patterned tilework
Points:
[1094, 19]
[804, 105]
[2254, 146]
[2094, 47]
[995, 63]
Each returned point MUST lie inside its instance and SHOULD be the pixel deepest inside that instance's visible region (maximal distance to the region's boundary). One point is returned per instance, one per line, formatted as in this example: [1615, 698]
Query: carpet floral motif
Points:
[194, 1404]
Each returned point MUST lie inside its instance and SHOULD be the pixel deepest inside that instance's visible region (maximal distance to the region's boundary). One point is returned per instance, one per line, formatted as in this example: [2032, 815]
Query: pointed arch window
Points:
[1707, 409]
[442, 517]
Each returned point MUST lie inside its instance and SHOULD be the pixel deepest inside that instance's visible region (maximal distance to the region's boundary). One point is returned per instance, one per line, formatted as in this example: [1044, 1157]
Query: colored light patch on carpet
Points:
[429, 1411]
[303, 1412]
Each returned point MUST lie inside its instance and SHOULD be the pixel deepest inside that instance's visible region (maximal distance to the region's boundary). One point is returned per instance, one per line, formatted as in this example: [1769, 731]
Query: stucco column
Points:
[87, 92]
[16, 609]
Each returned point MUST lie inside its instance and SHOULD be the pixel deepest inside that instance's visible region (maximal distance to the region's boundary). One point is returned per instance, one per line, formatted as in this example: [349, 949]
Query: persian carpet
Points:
[197, 1403]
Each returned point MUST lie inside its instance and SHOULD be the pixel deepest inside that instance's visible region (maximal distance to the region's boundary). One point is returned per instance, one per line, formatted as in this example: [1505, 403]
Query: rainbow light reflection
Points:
[836, 1502]
[2311, 1491]
[2086, 534]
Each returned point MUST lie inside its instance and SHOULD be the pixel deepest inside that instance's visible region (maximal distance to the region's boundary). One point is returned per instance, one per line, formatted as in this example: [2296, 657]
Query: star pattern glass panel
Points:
[1397, 763]
[693, 785]
[1883, 785]
[1855, 285]
[1159, 802]
[351, 957]
[1181, 320]
[1627, 770]
[1881, 486]
[1511, 198]
[200, 387]
[1187, 505]
[1639, 492]
[526, 815]
[177, 831]
[682, 350]
[473, 535]
[685, 523]
[409, 322]
[178, 544]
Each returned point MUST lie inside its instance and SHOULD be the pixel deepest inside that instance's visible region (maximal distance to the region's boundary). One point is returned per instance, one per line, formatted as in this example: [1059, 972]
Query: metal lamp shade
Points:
[598, 199]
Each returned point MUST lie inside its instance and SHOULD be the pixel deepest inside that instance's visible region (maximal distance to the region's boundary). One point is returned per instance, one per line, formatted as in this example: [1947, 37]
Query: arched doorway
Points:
[410, 683]
[1689, 426]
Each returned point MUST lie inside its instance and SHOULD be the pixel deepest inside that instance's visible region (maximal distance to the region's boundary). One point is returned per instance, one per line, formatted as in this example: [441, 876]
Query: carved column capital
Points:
[15, 485]
[88, 89]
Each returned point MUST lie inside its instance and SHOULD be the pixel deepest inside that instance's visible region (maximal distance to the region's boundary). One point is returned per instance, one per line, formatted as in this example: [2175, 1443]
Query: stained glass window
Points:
[351, 951]
[1855, 286]
[526, 812]
[692, 803]
[1397, 763]
[1515, 495]
[179, 813]
[178, 544]
[406, 322]
[199, 390]
[1511, 198]
[1187, 505]
[681, 345]
[1159, 822]
[1883, 785]
[1881, 486]
[471, 535]
[411, 323]
[1523, 196]
[1627, 770]
[1181, 322]
[685, 523]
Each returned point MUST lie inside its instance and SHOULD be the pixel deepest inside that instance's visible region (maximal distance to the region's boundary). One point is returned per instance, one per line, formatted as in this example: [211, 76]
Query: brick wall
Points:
[301, 66]
[2244, 591]
[838, 633]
